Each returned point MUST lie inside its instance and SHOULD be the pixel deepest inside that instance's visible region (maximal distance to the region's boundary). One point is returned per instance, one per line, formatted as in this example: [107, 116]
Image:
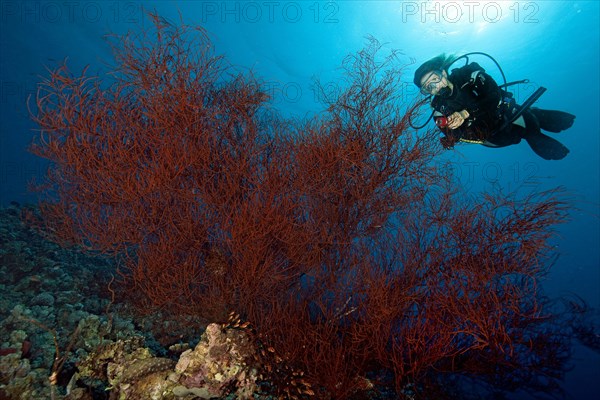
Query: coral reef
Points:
[17, 379]
[220, 363]
[338, 238]
[48, 294]
[52, 298]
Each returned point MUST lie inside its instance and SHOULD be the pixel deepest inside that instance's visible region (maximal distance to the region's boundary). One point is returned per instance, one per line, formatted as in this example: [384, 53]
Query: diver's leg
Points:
[553, 120]
[547, 147]
[543, 145]
[506, 137]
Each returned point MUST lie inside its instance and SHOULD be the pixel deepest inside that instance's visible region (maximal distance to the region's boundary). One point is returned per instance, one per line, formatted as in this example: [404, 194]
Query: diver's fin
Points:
[553, 120]
[546, 147]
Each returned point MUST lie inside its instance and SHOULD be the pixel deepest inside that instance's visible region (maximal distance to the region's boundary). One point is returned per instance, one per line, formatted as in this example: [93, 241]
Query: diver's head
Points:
[432, 76]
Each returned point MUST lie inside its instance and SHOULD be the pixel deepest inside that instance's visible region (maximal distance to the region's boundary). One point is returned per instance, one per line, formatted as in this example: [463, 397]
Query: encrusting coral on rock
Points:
[218, 366]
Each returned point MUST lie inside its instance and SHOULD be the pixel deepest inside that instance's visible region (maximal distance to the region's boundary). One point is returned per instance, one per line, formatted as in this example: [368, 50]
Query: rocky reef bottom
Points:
[64, 337]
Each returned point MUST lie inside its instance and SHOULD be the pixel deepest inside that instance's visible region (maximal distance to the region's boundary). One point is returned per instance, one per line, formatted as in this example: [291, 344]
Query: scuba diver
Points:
[469, 106]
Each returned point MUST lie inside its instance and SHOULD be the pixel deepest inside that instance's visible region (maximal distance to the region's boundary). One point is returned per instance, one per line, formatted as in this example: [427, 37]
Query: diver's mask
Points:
[432, 82]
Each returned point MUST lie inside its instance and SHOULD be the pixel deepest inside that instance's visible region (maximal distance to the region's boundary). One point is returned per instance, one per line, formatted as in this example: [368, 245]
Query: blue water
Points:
[554, 44]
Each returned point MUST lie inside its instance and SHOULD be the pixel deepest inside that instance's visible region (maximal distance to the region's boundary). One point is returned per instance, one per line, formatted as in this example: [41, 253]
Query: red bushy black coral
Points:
[337, 237]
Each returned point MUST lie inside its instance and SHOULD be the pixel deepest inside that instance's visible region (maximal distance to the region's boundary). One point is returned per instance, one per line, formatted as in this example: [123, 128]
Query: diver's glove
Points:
[457, 118]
